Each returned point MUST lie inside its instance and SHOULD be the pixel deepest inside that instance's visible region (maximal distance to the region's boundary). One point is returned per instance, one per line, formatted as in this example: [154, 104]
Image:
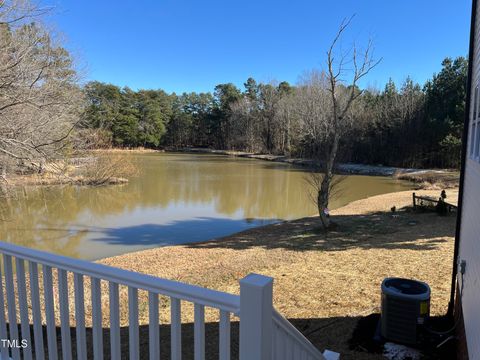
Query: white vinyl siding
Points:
[470, 226]
[472, 140]
[475, 127]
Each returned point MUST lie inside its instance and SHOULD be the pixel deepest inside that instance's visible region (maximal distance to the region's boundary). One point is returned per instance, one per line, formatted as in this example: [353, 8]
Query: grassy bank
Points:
[431, 179]
[49, 179]
[136, 150]
[92, 169]
[324, 283]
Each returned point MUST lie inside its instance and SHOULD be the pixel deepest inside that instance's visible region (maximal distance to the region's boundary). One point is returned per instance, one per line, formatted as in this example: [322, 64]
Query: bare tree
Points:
[262, 122]
[244, 129]
[40, 101]
[268, 116]
[287, 122]
[326, 102]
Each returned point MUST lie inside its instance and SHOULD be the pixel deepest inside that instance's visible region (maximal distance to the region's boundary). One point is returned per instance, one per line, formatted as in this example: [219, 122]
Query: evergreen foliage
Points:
[402, 125]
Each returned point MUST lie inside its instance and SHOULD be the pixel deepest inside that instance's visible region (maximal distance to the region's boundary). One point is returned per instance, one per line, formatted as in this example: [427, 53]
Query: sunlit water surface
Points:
[177, 198]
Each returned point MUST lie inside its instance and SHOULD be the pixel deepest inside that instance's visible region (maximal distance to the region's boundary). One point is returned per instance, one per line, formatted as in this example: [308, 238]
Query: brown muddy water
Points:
[175, 199]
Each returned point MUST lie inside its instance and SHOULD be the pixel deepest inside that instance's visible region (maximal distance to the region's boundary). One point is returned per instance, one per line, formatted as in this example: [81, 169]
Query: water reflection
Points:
[177, 198]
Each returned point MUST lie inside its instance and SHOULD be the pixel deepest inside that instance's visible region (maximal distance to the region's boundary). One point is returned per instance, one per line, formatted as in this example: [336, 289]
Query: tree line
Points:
[46, 113]
[405, 124]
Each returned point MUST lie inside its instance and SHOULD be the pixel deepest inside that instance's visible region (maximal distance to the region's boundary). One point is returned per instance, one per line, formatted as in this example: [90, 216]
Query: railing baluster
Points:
[297, 351]
[133, 339]
[153, 326]
[291, 348]
[49, 312]
[281, 344]
[286, 349]
[64, 315]
[80, 316]
[3, 322]
[176, 328]
[36, 311]
[199, 332]
[23, 306]
[304, 355]
[284, 345]
[224, 330]
[97, 319]
[114, 321]
[12, 309]
[274, 341]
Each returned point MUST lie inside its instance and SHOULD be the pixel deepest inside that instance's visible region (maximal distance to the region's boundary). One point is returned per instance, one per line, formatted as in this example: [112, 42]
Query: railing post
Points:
[256, 311]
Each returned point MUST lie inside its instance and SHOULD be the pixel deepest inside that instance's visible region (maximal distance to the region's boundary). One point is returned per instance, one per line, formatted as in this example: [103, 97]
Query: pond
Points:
[175, 199]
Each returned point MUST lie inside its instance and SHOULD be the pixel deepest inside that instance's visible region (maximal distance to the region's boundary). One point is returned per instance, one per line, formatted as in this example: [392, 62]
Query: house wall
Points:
[461, 339]
[470, 226]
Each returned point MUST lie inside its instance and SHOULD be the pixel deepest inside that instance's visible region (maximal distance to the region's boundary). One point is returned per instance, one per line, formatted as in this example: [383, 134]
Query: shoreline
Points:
[50, 180]
[320, 278]
[363, 206]
[425, 178]
[347, 168]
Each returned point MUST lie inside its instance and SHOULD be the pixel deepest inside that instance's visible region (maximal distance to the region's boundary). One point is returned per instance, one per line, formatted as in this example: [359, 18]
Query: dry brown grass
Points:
[324, 282]
[139, 150]
[102, 169]
[108, 169]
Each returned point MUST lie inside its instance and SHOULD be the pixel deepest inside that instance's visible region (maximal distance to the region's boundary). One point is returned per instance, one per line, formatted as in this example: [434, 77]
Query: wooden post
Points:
[414, 202]
[256, 323]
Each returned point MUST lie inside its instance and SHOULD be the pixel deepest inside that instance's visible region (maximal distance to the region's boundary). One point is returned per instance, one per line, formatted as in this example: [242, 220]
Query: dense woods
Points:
[47, 114]
[405, 124]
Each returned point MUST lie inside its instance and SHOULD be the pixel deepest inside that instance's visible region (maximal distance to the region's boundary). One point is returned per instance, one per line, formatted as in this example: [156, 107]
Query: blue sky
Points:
[181, 45]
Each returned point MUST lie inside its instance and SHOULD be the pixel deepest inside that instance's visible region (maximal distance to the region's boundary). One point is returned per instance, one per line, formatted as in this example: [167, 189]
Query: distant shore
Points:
[425, 178]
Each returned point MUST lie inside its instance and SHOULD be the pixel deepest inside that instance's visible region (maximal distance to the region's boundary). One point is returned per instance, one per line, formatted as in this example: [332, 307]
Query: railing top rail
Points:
[183, 291]
[288, 327]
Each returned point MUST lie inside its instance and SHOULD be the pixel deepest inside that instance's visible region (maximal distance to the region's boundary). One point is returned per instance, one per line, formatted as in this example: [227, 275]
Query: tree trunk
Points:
[323, 195]
[322, 200]
[289, 147]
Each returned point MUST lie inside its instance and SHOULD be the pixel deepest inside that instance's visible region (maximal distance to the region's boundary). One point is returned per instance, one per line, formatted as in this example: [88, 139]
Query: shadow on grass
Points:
[371, 231]
[350, 336]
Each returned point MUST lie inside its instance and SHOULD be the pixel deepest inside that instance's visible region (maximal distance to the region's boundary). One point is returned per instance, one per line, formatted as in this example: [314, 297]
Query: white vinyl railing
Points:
[264, 334]
[289, 343]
